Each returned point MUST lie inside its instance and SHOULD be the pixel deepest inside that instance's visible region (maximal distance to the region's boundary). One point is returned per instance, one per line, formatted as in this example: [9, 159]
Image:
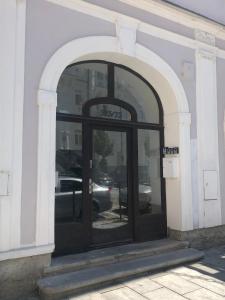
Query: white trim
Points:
[158, 8]
[26, 252]
[18, 124]
[46, 167]
[12, 72]
[79, 48]
[174, 102]
[207, 135]
[182, 16]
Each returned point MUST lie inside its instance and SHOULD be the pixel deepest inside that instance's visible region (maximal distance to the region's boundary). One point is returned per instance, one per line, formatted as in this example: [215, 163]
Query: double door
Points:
[109, 187]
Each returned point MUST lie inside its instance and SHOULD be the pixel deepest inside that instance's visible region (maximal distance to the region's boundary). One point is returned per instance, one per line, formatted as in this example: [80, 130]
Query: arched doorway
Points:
[109, 139]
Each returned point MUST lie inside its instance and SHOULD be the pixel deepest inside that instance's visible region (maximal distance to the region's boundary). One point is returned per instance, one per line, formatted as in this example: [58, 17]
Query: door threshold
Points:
[110, 244]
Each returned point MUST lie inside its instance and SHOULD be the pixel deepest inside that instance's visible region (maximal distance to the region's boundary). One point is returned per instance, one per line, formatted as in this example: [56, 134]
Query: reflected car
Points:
[68, 198]
[103, 179]
[144, 198]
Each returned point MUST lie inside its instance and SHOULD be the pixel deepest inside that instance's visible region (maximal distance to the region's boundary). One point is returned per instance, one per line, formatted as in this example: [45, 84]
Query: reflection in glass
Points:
[110, 111]
[137, 93]
[149, 172]
[109, 173]
[69, 188]
[80, 83]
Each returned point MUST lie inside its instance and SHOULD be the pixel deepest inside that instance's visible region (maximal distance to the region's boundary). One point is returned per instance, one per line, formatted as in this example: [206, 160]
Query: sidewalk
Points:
[204, 280]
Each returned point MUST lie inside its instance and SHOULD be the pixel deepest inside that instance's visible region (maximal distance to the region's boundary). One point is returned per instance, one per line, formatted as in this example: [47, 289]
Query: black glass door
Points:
[109, 185]
[71, 215]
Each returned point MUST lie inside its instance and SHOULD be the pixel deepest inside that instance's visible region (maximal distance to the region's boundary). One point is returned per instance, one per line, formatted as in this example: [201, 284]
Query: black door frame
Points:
[91, 126]
[88, 123]
[132, 126]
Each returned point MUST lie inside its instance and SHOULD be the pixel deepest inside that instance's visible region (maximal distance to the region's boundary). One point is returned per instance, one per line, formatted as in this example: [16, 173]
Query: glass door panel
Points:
[71, 229]
[110, 187]
[149, 177]
[151, 217]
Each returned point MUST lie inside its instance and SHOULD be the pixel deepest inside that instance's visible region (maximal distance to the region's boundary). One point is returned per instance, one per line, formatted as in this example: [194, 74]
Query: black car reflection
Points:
[69, 196]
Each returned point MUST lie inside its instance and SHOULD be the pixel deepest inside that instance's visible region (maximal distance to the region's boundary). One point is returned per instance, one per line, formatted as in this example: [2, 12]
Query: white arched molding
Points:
[177, 119]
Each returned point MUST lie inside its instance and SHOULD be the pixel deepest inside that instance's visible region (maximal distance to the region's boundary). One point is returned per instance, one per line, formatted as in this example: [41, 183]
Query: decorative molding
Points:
[26, 252]
[179, 15]
[157, 7]
[205, 37]
[126, 34]
[207, 54]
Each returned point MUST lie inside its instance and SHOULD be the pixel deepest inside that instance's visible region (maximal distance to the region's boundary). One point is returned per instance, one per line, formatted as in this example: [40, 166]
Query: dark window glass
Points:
[110, 170]
[138, 94]
[110, 111]
[80, 83]
[69, 190]
[149, 177]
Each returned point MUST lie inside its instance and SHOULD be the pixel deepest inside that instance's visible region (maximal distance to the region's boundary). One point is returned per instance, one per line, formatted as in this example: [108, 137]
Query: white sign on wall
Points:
[170, 167]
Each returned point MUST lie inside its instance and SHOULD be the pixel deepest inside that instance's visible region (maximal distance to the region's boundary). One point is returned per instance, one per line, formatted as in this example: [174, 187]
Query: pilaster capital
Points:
[206, 53]
[47, 98]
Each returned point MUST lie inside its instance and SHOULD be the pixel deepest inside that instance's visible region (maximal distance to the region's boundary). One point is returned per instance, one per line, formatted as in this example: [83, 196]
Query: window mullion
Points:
[111, 86]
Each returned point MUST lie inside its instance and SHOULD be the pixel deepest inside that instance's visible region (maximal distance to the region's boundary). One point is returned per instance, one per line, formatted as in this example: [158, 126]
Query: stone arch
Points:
[176, 115]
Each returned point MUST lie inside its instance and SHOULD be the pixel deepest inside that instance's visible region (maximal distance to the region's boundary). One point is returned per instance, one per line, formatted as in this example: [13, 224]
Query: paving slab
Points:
[90, 296]
[163, 294]
[122, 294]
[211, 284]
[190, 272]
[142, 285]
[176, 284]
[203, 294]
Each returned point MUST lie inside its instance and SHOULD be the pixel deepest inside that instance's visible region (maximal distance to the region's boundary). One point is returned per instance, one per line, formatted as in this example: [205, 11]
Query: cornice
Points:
[181, 15]
[205, 31]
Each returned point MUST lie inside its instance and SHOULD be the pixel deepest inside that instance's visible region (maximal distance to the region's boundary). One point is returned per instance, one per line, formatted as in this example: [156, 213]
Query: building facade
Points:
[112, 127]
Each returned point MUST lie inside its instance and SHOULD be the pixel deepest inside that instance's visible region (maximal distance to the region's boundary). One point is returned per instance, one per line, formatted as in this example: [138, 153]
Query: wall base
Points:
[18, 277]
[200, 238]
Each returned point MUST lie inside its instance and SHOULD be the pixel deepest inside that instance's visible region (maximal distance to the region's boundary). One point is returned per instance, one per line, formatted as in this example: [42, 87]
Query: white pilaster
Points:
[179, 190]
[207, 136]
[46, 167]
[12, 51]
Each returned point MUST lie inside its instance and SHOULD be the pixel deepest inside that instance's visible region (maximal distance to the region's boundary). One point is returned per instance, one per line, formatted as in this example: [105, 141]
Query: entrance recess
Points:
[109, 139]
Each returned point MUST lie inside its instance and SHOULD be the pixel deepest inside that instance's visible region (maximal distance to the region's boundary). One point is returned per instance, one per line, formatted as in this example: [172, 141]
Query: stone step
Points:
[65, 285]
[99, 257]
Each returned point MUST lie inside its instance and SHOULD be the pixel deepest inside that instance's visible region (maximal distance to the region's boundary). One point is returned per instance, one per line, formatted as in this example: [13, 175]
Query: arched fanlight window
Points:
[86, 81]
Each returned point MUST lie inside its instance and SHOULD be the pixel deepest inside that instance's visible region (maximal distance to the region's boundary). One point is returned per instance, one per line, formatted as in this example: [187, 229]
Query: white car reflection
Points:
[69, 194]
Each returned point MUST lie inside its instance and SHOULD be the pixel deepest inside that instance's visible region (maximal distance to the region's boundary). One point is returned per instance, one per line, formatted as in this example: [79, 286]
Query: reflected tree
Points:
[103, 146]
